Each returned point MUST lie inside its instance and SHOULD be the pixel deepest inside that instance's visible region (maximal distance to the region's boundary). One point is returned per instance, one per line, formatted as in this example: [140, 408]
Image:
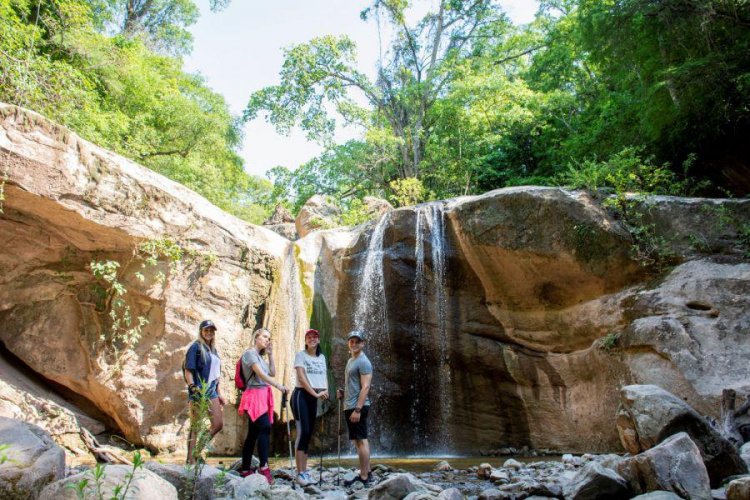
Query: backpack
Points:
[239, 380]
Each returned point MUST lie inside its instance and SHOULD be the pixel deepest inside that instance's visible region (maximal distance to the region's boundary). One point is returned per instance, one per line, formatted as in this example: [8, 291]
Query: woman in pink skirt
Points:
[257, 400]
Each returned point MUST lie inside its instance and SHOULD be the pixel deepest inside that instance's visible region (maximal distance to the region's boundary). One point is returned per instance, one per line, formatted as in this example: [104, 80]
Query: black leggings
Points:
[259, 431]
[304, 409]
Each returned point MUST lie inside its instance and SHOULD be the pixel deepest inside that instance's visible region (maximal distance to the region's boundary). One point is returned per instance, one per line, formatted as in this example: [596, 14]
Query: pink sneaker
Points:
[267, 473]
[245, 473]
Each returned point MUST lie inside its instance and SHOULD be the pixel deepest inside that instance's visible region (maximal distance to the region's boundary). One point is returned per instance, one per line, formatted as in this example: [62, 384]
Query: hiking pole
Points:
[322, 429]
[338, 467]
[288, 432]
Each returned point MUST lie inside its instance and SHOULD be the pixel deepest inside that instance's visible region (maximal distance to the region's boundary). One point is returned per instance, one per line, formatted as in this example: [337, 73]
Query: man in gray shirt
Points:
[358, 377]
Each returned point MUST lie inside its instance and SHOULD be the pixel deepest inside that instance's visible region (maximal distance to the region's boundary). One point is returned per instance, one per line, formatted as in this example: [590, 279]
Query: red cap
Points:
[312, 331]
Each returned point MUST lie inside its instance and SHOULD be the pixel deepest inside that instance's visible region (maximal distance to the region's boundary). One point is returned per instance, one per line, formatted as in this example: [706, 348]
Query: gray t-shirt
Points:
[315, 369]
[352, 385]
[249, 358]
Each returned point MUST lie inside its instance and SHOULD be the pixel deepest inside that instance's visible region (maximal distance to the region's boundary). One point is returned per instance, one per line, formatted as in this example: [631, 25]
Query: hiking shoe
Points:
[365, 482]
[267, 474]
[245, 473]
[304, 479]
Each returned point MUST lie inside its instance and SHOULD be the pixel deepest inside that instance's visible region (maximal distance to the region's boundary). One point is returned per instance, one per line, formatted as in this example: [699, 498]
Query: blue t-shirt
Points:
[198, 361]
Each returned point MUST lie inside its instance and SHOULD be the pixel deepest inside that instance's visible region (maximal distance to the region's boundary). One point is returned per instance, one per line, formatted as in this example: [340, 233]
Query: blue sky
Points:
[240, 50]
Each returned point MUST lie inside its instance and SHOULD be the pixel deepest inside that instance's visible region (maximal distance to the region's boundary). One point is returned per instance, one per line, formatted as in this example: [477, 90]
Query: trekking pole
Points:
[288, 431]
[322, 428]
[338, 467]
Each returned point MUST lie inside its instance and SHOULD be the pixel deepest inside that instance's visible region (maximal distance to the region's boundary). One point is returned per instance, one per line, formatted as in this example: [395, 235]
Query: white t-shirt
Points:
[315, 369]
[215, 368]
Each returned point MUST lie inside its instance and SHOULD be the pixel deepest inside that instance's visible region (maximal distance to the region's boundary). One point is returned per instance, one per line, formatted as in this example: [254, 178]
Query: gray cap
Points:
[356, 334]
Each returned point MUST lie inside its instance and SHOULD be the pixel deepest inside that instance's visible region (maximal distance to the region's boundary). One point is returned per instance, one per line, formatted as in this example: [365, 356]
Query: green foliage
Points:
[92, 67]
[200, 429]
[3, 180]
[356, 213]
[407, 192]
[4, 454]
[609, 341]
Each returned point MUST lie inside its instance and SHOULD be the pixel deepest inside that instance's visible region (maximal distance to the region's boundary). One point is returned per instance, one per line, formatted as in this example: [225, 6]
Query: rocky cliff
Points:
[507, 319]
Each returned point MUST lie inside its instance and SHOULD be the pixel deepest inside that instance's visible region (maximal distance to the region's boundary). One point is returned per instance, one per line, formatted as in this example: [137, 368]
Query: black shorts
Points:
[358, 430]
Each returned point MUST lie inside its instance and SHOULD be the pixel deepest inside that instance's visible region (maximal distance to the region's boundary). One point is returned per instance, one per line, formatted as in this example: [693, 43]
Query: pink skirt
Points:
[256, 401]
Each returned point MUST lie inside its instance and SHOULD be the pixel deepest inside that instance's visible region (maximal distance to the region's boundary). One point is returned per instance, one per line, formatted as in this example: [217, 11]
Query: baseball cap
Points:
[356, 334]
[207, 323]
[312, 331]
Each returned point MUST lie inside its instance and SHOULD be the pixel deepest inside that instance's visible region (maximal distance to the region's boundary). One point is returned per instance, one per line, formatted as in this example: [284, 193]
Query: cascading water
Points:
[430, 220]
[371, 314]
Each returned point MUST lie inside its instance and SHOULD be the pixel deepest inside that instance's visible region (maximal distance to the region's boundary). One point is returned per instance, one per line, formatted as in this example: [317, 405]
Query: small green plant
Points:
[203, 260]
[356, 213]
[4, 453]
[609, 341]
[3, 180]
[85, 489]
[200, 430]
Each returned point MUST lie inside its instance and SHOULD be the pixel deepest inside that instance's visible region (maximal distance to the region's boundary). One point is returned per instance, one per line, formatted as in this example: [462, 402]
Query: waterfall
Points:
[371, 314]
[430, 220]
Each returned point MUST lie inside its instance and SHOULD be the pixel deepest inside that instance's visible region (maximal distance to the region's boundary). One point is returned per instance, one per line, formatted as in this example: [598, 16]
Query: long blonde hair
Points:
[202, 342]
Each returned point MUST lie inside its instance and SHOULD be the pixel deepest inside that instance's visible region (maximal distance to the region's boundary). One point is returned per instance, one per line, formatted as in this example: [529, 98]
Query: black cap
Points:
[207, 323]
[356, 333]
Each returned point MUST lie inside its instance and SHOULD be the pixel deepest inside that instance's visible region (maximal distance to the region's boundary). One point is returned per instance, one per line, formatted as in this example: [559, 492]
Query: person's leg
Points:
[249, 446]
[299, 455]
[192, 435]
[217, 416]
[309, 411]
[263, 425]
[363, 453]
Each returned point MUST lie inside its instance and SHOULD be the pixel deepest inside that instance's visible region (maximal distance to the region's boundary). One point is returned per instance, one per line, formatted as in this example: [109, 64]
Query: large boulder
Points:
[143, 485]
[376, 207]
[212, 482]
[673, 465]
[317, 213]
[594, 482]
[739, 489]
[32, 460]
[745, 453]
[397, 486]
[69, 204]
[648, 414]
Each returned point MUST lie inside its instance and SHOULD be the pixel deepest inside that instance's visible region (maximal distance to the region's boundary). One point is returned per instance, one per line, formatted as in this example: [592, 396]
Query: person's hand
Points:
[269, 349]
[354, 417]
[283, 388]
[322, 395]
[222, 401]
[193, 389]
[340, 393]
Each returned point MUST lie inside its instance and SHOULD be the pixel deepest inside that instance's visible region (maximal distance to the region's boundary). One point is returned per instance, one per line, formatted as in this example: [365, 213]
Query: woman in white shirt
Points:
[312, 384]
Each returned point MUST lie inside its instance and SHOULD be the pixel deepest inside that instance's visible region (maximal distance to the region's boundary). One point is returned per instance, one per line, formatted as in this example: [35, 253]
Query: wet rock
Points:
[673, 465]
[396, 487]
[512, 464]
[252, 486]
[145, 485]
[745, 453]
[658, 495]
[34, 460]
[334, 495]
[648, 414]
[212, 483]
[572, 460]
[739, 489]
[484, 471]
[442, 466]
[492, 494]
[420, 495]
[596, 482]
[451, 494]
[499, 475]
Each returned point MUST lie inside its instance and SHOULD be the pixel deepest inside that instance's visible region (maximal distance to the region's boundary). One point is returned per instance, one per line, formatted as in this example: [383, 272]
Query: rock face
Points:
[506, 319]
[648, 414]
[674, 465]
[594, 481]
[317, 213]
[68, 204]
[534, 318]
[33, 460]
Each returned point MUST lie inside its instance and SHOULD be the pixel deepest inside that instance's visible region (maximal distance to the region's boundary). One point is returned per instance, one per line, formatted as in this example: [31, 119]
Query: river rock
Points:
[397, 486]
[512, 464]
[317, 213]
[596, 482]
[658, 495]
[33, 460]
[145, 485]
[745, 453]
[443, 465]
[739, 489]
[674, 465]
[648, 414]
[212, 483]
[484, 471]
[252, 486]
[451, 494]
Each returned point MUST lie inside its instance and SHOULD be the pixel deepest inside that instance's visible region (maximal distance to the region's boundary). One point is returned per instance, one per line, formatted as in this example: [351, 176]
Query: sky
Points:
[240, 50]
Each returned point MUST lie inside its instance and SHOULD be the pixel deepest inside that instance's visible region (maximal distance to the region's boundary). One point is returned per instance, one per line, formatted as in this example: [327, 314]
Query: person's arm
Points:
[364, 380]
[258, 370]
[271, 364]
[189, 367]
[302, 379]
